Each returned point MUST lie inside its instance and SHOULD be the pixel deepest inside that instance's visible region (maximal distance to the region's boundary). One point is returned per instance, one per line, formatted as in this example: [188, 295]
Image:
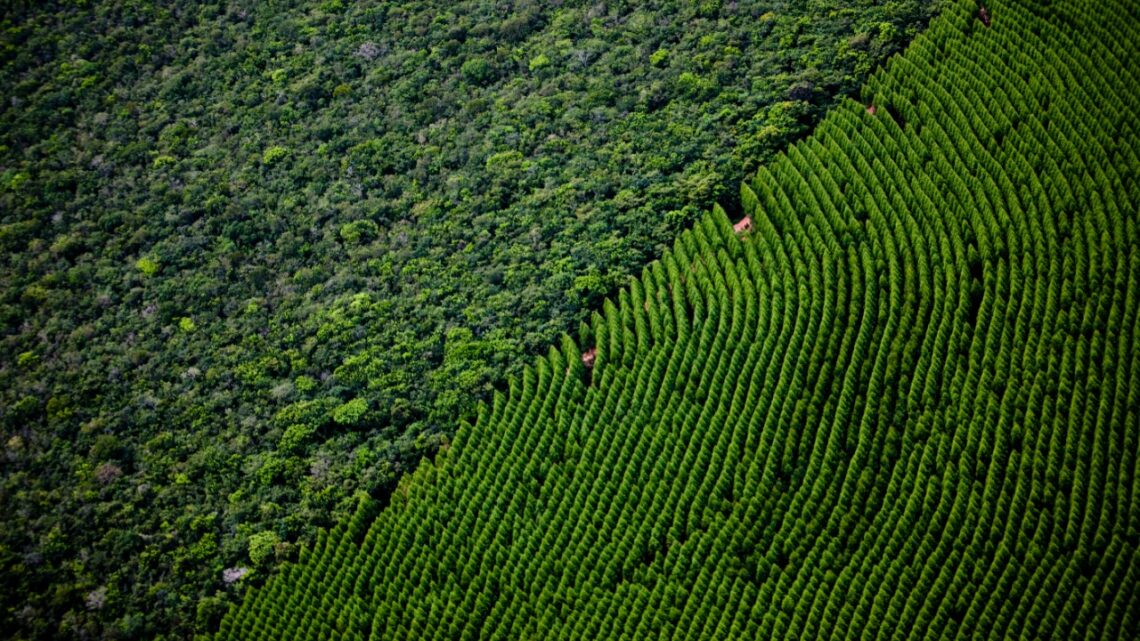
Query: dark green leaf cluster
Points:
[904, 405]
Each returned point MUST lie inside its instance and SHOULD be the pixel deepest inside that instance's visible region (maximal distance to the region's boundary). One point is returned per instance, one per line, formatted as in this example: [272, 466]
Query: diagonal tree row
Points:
[905, 405]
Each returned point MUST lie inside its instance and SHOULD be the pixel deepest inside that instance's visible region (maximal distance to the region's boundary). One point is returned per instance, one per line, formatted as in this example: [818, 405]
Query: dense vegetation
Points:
[906, 405]
[256, 257]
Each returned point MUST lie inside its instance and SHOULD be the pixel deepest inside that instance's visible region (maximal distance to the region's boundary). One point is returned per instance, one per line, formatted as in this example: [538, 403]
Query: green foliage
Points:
[271, 470]
[255, 167]
[147, 265]
[262, 545]
[694, 86]
[273, 154]
[359, 231]
[305, 384]
[351, 413]
[162, 161]
[295, 436]
[107, 447]
[477, 70]
[902, 405]
[541, 61]
[15, 180]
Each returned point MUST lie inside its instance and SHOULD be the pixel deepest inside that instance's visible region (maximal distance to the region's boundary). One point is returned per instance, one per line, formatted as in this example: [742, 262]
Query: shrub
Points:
[262, 545]
[477, 71]
[273, 154]
[147, 265]
[351, 412]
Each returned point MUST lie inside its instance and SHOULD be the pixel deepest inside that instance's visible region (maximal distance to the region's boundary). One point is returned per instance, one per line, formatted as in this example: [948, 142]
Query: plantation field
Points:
[903, 406]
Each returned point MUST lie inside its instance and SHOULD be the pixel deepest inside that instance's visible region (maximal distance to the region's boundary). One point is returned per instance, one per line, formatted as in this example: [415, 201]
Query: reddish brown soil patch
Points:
[588, 357]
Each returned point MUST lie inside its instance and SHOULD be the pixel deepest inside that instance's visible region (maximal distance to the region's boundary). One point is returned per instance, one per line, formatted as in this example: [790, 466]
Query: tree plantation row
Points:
[903, 402]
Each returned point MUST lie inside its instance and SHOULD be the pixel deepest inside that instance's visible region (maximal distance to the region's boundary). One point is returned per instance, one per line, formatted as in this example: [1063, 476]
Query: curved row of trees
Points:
[904, 406]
